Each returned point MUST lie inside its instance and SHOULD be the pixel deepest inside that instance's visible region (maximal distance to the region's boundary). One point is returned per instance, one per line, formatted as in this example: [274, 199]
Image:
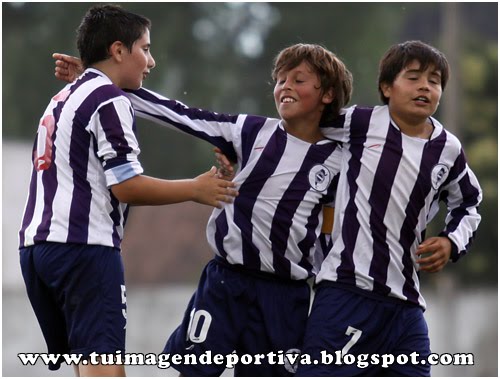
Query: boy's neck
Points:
[414, 128]
[106, 68]
[304, 132]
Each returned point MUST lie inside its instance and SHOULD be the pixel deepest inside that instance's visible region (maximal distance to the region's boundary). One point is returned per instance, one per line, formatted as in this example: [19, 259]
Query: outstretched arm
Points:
[204, 189]
[214, 128]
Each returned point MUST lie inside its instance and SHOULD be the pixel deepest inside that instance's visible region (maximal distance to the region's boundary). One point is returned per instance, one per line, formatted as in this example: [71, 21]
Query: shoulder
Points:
[98, 87]
[441, 131]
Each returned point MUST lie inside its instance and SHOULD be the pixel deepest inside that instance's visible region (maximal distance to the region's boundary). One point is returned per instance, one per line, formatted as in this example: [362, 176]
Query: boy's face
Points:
[414, 93]
[137, 63]
[298, 94]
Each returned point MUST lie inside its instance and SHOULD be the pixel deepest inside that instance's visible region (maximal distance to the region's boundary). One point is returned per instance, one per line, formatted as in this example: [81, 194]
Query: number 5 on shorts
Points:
[356, 333]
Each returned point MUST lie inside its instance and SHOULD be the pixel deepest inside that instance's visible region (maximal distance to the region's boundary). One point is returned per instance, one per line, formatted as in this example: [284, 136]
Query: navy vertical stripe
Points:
[248, 193]
[116, 218]
[360, 122]
[249, 133]
[30, 203]
[221, 232]
[379, 199]
[310, 238]
[432, 153]
[79, 213]
[290, 201]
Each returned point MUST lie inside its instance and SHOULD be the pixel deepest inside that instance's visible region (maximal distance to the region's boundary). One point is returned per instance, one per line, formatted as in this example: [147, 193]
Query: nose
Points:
[424, 84]
[151, 62]
[287, 84]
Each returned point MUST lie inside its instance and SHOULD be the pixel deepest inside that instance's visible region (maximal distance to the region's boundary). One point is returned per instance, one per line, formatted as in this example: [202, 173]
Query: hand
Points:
[68, 68]
[437, 252]
[211, 190]
[226, 169]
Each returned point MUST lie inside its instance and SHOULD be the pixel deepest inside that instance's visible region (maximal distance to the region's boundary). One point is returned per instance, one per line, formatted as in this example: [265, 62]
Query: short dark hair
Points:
[401, 55]
[332, 72]
[103, 25]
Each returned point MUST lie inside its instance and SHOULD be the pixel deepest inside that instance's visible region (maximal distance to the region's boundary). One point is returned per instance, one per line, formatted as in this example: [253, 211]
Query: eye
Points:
[436, 81]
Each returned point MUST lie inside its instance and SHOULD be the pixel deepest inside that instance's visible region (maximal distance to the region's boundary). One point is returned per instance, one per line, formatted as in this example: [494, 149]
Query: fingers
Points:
[226, 194]
[213, 171]
[66, 58]
[434, 262]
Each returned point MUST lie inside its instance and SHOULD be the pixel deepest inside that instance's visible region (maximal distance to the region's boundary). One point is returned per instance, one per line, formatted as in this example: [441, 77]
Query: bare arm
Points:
[327, 226]
[205, 189]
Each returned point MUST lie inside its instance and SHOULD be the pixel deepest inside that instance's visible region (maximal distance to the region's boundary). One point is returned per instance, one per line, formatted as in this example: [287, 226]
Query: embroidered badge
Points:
[319, 178]
[439, 174]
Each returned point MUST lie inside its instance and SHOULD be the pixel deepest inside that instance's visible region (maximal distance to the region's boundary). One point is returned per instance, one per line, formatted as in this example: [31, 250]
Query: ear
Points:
[328, 96]
[116, 51]
[386, 89]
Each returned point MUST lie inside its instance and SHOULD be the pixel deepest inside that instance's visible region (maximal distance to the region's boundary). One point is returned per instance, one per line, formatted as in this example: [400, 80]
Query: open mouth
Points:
[288, 99]
[422, 99]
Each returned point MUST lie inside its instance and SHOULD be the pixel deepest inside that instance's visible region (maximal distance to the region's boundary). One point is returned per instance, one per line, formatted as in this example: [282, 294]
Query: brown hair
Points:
[401, 55]
[331, 70]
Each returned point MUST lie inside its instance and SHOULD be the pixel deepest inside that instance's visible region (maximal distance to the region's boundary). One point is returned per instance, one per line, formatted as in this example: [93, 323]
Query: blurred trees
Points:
[219, 56]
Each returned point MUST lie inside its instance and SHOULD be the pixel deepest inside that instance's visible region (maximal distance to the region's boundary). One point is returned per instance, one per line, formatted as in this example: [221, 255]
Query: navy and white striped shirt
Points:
[85, 144]
[282, 181]
[388, 191]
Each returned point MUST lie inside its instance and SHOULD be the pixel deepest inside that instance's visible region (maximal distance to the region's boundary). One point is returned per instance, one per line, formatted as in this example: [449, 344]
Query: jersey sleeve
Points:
[339, 128]
[221, 130]
[462, 195]
[117, 146]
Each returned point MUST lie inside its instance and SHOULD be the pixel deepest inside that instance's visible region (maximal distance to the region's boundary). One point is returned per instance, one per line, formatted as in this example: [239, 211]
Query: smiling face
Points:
[298, 95]
[136, 64]
[414, 95]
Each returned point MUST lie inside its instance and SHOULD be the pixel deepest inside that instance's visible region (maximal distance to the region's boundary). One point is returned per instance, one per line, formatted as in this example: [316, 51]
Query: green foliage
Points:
[219, 56]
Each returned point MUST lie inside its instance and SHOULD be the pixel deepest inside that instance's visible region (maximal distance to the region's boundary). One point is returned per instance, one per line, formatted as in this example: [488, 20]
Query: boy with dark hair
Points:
[85, 173]
[399, 163]
[253, 298]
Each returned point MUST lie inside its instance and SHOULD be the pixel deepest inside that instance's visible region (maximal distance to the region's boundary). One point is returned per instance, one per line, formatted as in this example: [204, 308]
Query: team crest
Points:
[438, 175]
[319, 178]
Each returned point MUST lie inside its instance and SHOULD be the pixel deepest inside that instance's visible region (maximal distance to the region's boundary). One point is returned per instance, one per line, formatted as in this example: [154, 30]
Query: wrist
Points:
[454, 256]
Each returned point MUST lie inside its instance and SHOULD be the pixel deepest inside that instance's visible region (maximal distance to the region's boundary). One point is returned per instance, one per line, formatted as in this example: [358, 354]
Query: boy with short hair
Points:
[85, 173]
[253, 298]
[399, 162]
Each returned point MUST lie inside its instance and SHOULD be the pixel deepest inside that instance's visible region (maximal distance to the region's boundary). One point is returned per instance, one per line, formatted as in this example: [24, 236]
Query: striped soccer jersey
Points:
[388, 191]
[282, 181]
[85, 144]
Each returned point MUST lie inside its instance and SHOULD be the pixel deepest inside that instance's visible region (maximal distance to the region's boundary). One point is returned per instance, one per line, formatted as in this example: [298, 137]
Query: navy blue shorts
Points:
[234, 311]
[343, 320]
[78, 295]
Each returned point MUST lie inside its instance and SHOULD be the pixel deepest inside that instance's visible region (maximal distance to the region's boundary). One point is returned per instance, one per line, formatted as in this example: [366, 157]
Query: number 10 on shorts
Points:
[199, 323]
